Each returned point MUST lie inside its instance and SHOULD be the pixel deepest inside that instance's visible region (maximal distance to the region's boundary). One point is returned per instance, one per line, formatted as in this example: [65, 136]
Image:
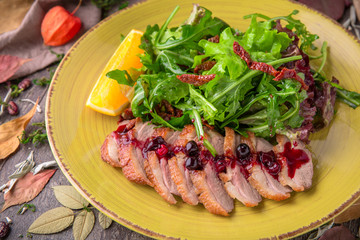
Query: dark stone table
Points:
[46, 199]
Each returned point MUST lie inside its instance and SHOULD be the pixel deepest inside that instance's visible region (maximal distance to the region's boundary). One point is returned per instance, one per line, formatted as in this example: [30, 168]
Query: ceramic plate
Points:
[76, 134]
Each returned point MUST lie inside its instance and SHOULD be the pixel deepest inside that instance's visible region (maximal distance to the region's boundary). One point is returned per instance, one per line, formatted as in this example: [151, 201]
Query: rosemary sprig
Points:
[15, 90]
[37, 136]
[25, 207]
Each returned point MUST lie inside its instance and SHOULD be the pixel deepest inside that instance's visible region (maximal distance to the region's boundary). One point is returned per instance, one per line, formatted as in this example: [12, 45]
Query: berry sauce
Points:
[295, 158]
[270, 163]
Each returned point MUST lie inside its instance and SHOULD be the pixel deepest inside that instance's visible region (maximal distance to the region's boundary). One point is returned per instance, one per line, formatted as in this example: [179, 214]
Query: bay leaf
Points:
[9, 65]
[83, 224]
[353, 212]
[52, 221]
[104, 220]
[10, 131]
[27, 188]
[69, 197]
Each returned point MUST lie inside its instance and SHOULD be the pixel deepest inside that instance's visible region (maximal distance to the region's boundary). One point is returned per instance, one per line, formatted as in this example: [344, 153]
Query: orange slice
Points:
[108, 96]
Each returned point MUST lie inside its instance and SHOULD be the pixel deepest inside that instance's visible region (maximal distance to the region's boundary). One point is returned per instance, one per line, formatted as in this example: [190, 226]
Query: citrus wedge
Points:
[108, 96]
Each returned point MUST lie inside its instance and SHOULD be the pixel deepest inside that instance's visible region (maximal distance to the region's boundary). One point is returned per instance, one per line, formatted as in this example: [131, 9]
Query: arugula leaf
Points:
[121, 76]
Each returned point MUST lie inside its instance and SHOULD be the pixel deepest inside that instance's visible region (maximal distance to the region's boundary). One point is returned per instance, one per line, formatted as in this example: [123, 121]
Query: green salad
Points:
[205, 72]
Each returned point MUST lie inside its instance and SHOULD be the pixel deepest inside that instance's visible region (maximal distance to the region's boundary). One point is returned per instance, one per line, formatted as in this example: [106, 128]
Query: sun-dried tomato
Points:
[205, 66]
[196, 80]
[266, 68]
[214, 39]
[241, 52]
[290, 73]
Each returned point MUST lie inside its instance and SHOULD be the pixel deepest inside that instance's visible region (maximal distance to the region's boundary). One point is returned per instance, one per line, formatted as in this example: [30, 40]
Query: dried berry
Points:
[59, 26]
[4, 229]
[12, 108]
[24, 84]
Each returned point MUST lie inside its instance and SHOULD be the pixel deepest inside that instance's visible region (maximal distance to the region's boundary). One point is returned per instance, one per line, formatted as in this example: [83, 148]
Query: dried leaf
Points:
[104, 220]
[52, 221]
[69, 197]
[10, 131]
[335, 233]
[332, 8]
[27, 188]
[83, 224]
[320, 231]
[357, 7]
[353, 212]
[9, 65]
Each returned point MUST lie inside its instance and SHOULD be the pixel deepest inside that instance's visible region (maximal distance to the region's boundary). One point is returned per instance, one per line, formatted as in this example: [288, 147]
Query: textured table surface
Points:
[46, 199]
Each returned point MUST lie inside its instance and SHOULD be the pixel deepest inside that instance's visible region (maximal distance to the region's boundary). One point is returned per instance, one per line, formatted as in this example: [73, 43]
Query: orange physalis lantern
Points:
[59, 26]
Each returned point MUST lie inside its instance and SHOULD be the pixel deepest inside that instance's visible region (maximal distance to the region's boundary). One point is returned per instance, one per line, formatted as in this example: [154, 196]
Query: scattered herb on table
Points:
[36, 137]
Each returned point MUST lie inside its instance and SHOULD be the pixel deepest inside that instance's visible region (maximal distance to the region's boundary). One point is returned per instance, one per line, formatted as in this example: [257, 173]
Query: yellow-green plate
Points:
[76, 134]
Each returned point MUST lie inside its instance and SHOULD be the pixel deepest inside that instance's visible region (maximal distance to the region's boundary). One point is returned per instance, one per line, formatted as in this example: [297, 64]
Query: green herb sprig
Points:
[36, 137]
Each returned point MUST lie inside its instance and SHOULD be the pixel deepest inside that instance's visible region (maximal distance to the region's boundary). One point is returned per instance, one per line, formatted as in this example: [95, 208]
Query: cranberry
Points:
[242, 151]
[162, 150]
[25, 84]
[155, 144]
[220, 164]
[191, 149]
[268, 159]
[4, 229]
[12, 108]
[192, 163]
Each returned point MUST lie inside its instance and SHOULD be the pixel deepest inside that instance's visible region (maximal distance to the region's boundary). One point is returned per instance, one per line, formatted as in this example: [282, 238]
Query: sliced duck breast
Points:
[155, 175]
[296, 161]
[130, 152]
[211, 191]
[208, 186]
[260, 178]
[180, 174]
[158, 174]
[109, 149]
[235, 182]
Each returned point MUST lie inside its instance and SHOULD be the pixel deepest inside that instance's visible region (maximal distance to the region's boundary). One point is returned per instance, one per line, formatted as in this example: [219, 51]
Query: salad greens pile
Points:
[238, 97]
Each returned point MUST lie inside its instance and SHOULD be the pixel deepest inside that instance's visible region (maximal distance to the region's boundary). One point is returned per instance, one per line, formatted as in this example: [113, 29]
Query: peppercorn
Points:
[12, 108]
[25, 84]
[4, 229]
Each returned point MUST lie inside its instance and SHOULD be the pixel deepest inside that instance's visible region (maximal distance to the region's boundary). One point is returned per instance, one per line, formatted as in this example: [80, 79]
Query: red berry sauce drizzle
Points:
[295, 158]
[198, 156]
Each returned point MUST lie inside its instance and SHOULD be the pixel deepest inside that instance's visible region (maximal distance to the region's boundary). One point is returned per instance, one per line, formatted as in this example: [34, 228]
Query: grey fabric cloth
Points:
[26, 40]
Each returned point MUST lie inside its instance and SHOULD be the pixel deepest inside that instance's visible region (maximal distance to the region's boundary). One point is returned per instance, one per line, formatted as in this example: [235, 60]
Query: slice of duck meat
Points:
[234, 180]
[208, 186]
[180, 174]
[296, 163]
[130, 152]
[157, 169]
[109, 149]
[263, 172]
[211, 191]
[155, 175]
[170, 137]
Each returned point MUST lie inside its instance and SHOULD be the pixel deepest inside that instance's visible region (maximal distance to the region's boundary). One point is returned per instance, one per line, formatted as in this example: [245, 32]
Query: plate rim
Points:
[128, 224]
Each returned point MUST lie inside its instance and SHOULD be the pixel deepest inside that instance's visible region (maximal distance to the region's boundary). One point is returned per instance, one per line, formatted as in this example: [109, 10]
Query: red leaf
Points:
[337, 233]
[9, 65]
[27, 188]
[332, 8]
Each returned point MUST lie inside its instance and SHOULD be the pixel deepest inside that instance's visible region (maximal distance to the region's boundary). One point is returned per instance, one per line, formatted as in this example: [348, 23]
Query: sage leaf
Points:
[83, 224]
[52, 221]
[104, 220]
[69, 197]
